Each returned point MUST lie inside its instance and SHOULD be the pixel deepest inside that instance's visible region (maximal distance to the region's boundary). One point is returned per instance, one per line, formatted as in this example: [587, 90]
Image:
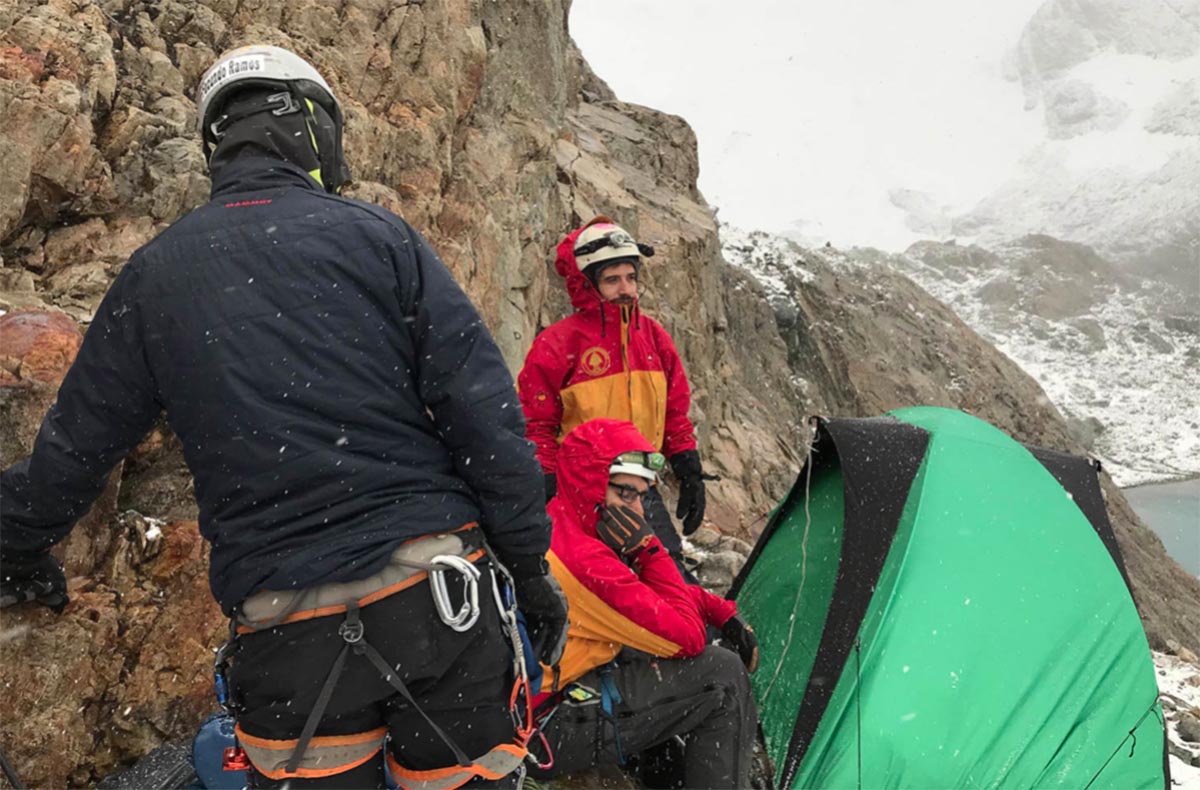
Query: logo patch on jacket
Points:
[596, 361]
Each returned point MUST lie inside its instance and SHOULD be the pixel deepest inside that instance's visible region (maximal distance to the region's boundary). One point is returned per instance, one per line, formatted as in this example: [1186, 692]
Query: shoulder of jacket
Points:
[654, 325]
[563, 333]
[662, 338]
[372, 211]
[176, 231]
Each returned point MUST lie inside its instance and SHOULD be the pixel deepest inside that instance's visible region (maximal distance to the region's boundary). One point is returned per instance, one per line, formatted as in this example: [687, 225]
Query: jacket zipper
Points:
[625, 359]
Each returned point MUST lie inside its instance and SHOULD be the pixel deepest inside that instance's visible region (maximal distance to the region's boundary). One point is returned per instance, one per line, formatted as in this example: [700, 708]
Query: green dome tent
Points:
[939, 606]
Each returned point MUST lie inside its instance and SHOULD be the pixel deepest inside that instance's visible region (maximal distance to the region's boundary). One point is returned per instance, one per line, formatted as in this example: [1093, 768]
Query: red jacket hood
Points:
[583, 461]
[584, 295]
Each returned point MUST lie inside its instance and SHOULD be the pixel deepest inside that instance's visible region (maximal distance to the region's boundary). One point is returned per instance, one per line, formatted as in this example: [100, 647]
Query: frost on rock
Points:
[772, 260]
[1179, 688]
[1116, 362]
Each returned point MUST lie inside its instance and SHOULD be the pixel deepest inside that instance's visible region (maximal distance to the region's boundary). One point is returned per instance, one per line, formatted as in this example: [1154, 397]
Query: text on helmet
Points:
[234, 67]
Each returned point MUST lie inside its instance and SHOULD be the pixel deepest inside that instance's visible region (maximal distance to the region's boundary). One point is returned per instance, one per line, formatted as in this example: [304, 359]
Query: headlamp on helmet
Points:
[636, 462]
[603, 243]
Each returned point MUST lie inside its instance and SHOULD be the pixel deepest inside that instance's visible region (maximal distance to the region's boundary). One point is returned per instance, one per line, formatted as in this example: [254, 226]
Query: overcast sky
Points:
[808, 113]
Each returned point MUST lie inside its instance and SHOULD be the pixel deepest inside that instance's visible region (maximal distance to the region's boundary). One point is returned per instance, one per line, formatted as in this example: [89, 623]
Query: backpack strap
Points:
[610, 697]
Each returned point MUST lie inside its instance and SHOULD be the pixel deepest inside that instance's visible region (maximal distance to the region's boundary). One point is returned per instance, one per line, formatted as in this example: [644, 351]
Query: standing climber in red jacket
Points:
[609, 360]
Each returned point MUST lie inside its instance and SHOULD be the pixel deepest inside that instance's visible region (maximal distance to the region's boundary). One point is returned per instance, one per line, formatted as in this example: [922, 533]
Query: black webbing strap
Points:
[318, 711]
[352, 632]
[610, 697]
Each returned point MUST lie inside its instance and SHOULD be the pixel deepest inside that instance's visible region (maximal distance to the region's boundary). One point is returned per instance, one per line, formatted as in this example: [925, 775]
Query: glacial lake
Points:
[1173, 511]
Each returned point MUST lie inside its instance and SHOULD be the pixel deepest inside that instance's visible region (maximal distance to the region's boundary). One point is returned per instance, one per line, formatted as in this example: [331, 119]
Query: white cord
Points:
[468, 613]
[808, 464]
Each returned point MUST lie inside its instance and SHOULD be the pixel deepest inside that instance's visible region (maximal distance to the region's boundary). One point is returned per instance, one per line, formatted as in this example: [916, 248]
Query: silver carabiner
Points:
[468, 613]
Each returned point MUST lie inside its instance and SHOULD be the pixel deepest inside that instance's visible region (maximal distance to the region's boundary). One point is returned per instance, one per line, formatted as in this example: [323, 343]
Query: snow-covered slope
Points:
[1118, 355]
[1116, 84]
[1115, 87]
[1179, 684]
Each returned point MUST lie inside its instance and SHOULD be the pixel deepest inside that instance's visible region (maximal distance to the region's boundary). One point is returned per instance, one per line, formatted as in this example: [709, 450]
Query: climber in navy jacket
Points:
[336, 393]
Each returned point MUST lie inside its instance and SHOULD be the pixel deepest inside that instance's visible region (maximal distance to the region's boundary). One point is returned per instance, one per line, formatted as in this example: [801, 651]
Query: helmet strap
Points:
[277, 103]
[252, 127]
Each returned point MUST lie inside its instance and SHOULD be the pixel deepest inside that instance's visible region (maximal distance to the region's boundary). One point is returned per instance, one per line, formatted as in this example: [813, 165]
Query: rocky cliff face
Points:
[480, 123]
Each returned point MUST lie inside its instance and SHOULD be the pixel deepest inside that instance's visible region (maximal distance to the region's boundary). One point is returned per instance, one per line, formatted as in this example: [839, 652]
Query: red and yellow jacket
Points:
[605, 360]
[646, 606]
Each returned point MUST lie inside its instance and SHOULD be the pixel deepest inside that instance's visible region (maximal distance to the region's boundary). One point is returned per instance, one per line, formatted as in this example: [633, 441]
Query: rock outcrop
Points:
[480, 123]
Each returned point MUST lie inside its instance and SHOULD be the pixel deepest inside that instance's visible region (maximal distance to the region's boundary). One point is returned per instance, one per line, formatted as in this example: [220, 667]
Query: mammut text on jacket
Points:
[605, 360]
[335, 391]
[611, 605]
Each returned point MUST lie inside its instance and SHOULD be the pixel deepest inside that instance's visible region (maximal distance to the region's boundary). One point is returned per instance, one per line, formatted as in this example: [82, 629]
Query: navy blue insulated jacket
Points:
[335, 391]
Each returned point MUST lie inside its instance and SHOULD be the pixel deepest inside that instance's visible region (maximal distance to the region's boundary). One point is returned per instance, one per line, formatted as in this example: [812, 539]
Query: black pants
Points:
[706, 699]
[660, 521]
[461, 680]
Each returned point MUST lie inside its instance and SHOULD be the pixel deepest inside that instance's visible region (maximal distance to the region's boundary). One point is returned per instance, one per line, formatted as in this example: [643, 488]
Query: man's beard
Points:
[622, 300]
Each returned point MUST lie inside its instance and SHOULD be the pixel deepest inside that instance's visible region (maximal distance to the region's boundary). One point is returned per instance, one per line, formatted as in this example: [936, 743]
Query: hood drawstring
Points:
[635, 312]
[634, 316]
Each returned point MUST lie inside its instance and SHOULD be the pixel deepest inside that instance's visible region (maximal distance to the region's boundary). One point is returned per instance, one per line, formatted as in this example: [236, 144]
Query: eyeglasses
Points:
[655, 462]
[628, 494]
[616, 238]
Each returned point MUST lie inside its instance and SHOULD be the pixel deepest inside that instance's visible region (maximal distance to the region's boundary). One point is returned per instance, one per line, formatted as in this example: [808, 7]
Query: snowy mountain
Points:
[1117, 354]
[1117, 86]
[1110, 330]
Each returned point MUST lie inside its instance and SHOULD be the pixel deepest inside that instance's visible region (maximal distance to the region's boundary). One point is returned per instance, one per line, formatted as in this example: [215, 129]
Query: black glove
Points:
[686, 466]
[542, 602]
[32, 576]
[740, 638]
[623, 530]
[551, 486]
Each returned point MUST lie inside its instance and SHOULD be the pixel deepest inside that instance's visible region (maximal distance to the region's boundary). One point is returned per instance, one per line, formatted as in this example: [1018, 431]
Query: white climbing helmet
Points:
[258, 65]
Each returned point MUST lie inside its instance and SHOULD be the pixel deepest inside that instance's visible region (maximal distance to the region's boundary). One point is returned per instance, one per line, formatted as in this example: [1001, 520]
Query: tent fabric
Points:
[1079, 477]
[934, 609]
[881, 457]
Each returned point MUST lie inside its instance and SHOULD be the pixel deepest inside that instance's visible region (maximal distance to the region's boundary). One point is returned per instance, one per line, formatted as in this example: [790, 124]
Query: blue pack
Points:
[531, 663]
[208, 754]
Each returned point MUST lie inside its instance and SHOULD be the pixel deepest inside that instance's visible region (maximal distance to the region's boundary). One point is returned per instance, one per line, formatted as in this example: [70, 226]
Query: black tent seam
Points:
[1080, 478]
[880, 458]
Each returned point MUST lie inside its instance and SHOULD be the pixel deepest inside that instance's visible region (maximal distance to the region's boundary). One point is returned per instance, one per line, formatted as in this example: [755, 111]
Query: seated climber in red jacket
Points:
[637, 671]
